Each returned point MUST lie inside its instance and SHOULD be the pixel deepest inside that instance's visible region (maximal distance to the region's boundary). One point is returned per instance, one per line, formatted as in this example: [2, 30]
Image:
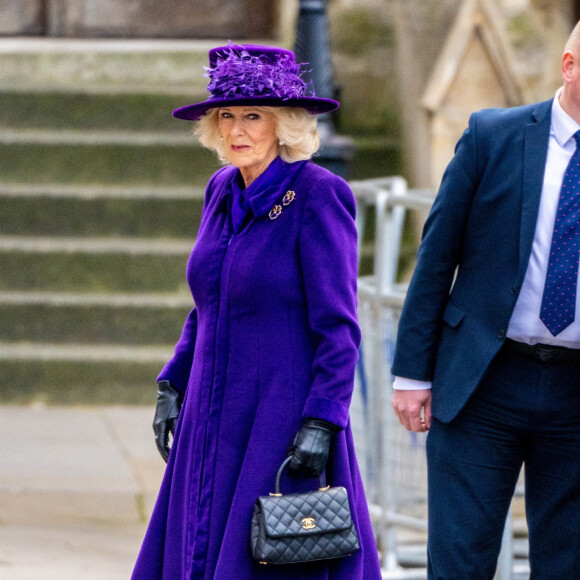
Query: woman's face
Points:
[250, 141]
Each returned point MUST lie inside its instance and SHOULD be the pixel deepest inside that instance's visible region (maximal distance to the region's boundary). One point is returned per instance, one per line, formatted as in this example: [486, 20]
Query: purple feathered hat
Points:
[255, 75]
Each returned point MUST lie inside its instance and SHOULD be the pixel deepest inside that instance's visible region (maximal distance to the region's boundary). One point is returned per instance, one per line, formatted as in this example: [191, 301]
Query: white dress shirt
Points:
[525, 324]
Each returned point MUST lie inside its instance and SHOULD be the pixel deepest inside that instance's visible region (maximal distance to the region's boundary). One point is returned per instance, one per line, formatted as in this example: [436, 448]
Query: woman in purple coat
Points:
[265, 363]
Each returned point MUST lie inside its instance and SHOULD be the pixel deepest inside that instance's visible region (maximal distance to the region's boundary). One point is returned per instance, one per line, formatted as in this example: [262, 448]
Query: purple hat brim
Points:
[314, 105]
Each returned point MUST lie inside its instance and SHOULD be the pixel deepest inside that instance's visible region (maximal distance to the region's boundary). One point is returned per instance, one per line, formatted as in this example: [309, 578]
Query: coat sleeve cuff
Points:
[327, 410]
[176, 375]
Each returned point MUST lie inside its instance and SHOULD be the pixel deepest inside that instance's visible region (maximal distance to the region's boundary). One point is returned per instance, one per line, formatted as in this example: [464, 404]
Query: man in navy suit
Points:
[488, 347]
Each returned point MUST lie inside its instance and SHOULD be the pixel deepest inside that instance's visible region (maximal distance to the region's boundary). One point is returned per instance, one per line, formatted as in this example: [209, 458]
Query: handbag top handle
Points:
[321, 479]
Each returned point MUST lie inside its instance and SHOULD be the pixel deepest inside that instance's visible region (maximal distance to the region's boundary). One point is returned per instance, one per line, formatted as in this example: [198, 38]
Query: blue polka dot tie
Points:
[559, 300]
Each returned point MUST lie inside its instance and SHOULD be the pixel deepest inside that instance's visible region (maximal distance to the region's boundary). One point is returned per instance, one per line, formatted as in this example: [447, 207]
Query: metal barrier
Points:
[395, 466]
[396, 482]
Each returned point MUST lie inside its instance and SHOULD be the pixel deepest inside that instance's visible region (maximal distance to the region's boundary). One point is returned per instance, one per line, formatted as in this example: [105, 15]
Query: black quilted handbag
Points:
[302, 527]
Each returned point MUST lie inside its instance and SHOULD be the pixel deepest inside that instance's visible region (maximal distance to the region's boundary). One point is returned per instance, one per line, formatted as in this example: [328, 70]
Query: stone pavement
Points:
[77, 485]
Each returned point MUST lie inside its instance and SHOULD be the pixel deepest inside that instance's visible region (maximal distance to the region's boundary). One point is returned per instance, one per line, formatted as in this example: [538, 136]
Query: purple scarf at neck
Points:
[262, 193]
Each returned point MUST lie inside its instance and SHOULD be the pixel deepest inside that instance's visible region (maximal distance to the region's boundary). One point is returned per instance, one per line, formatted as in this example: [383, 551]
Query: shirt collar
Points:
[563, 125]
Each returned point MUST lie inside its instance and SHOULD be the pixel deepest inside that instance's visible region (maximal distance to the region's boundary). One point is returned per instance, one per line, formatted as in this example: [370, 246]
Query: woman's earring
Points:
[281, 143]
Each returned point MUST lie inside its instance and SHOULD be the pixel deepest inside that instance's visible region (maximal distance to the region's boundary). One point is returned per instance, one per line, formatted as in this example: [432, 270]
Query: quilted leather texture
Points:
[303, 527]
[329, 510]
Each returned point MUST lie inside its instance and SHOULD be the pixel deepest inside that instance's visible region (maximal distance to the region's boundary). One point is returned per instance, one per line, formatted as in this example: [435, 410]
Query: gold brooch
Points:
[288, 198]
[275, 212]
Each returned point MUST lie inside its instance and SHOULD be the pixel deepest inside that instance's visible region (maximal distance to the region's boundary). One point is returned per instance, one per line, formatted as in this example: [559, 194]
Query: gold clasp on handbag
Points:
[308, 523]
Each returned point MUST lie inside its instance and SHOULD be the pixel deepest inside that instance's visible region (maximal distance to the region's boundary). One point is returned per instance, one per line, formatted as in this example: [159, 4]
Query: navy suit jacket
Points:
[473, 257]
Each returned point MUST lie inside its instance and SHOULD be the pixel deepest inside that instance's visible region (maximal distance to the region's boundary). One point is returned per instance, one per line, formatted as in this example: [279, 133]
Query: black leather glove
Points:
[310, 448]
[169, 401]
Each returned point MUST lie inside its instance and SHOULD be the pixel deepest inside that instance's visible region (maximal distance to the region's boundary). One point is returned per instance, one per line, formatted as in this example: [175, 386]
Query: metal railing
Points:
[396, 482]
[395, 465]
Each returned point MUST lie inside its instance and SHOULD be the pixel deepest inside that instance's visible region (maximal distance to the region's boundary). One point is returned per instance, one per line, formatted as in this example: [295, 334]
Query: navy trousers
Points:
[526, 412]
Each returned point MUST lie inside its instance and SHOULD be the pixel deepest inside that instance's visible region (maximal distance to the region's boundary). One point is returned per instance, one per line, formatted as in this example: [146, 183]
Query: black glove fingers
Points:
[169, 401]
[311, 447]
[312, 454]
[172, 424]
[162, 440]
[295, 463]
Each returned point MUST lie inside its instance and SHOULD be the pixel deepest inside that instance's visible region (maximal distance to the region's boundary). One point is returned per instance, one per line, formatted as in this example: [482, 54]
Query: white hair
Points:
[296, 131]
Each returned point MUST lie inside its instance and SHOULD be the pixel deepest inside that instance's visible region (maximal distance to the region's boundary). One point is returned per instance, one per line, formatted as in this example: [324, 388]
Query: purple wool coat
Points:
[273, 339]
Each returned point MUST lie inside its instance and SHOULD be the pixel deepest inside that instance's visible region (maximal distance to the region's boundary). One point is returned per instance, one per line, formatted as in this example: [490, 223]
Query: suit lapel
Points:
[535, 153]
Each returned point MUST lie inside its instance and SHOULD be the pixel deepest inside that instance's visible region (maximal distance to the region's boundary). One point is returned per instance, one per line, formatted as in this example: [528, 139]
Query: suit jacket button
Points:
[501, 334]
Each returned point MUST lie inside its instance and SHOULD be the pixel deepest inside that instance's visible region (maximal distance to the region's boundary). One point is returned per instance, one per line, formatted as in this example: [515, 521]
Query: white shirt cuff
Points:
[402, 384]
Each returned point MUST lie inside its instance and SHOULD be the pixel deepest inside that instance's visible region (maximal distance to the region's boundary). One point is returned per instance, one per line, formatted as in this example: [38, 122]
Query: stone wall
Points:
[139, 18]
[535, 30]
[21, 17]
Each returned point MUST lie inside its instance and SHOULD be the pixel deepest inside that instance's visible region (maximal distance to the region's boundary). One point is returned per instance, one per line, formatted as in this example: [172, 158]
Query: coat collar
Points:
[265, 191]
[537, 135]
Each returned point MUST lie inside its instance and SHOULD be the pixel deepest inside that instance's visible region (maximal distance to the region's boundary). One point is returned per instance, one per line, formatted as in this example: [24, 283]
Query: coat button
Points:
[501, 334]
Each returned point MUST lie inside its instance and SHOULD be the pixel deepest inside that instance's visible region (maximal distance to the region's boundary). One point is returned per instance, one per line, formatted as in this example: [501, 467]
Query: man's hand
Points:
[413, 408]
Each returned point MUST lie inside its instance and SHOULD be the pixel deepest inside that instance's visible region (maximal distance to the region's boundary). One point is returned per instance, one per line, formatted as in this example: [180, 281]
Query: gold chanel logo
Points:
[308, 523]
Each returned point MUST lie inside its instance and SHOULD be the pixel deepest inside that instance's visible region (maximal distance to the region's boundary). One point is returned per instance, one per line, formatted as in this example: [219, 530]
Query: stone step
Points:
[104, 66]
[131, 319]
[66, 211]
[114, 265]
[80, 210]
[131, 246]
[123, 159]
[79, 299]
[86, 191]
[59, 110]
[62, 373]
[106, 163]
[158, 354]
[102, 265]
[83, 137]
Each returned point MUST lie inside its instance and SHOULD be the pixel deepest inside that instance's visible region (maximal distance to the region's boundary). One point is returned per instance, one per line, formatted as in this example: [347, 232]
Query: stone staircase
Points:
[100, 198]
